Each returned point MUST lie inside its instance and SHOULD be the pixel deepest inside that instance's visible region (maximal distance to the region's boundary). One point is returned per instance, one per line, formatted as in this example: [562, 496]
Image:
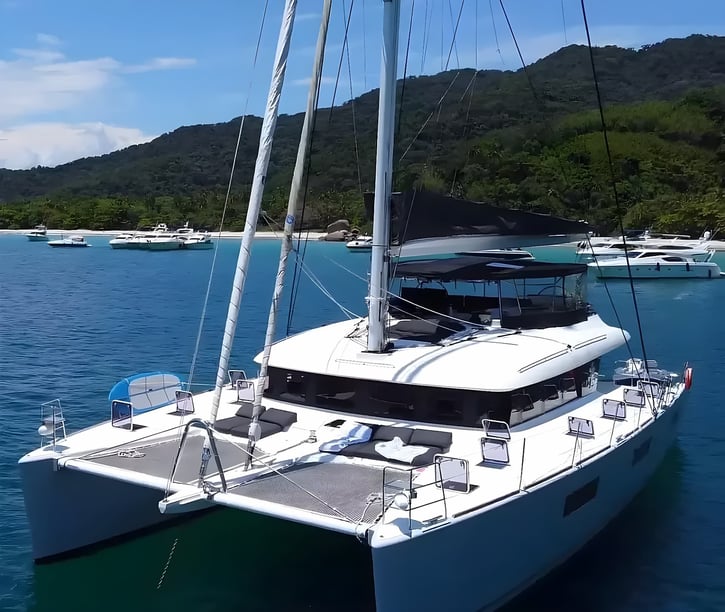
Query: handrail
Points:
[212, 443]
[412, 492]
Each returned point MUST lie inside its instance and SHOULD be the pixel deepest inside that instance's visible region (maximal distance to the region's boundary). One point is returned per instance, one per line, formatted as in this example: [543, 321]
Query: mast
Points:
[255, 197]
[380, 256]
[303, 151]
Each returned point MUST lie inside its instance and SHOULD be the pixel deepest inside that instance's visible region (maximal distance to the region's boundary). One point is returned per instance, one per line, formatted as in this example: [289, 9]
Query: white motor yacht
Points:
[38, 234]
[655, 264]
[122, 241]
[360, 243]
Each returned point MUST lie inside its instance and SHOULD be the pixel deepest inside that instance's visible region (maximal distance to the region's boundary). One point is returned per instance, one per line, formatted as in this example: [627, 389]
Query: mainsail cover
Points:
[426, 223]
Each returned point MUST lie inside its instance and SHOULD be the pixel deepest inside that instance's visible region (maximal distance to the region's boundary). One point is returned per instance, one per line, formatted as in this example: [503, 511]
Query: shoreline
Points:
[265, 235]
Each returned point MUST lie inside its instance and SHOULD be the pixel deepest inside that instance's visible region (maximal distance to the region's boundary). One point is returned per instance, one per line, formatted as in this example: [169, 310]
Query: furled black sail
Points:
[426, 223]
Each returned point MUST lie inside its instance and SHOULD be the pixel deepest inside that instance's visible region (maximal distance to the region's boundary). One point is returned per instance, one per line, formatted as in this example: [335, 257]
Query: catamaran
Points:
[458, 431]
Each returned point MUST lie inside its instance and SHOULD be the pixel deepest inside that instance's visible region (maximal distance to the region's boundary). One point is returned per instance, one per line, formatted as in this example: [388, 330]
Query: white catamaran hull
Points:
[477, 562]
[68, 510]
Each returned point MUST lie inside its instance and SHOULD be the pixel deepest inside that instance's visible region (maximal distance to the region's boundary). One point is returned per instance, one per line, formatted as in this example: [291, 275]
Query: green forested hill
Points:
[490, 138]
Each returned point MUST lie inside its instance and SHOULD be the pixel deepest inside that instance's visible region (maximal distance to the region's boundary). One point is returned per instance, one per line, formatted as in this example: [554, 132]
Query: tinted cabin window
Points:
[581, 496]
[430, 404]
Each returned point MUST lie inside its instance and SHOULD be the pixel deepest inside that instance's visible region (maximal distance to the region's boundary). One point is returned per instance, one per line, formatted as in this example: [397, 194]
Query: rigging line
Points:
[227, 197]
[563, 21]
[475, 33]
[432, 114]
[274, 226]
[611, 299]
[342, 53]
[354, 119]
[455, 32]
[466, 126]
[427, 19]
[617, 204]
[301, 250]
[495, 32]
[471, 86]
[455, 46]
[365, 53]
[518, 50]
[537, 99]
[405, 70]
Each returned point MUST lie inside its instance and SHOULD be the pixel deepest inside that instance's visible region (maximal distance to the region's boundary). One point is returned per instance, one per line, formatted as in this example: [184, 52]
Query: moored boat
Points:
[71, 241]
[38, 234]
[656, 264]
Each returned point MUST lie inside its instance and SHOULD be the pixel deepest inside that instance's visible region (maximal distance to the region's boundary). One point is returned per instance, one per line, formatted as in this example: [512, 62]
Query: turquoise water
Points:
[73, 322]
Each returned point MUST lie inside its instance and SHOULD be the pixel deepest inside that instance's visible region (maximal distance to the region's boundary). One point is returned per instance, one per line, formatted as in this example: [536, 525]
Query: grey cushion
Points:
[239, 426]
[366, 450]
[226, 425]
[429, 437]
[384, 433]
[282, 418]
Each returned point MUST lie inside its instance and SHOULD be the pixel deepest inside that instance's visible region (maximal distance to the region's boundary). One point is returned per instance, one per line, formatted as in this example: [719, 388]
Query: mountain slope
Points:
[196, 159]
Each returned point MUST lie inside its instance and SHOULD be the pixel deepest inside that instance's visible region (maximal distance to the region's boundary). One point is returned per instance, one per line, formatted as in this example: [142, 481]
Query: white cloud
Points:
[48, 40]
[50, 144]
[306, 81]
[161, 63]
[41, 80]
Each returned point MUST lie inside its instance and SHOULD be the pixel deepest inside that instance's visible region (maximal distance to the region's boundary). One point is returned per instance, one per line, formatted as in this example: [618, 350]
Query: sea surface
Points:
[75, 321]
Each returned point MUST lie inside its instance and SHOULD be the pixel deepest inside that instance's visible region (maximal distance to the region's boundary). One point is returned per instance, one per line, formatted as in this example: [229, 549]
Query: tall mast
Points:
[380, 256]
[255, 197]
[303, 151]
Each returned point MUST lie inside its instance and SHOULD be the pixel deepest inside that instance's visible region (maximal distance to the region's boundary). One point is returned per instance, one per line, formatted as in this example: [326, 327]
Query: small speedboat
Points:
[655, 264]
[73, 241]
[361, 243]
[38, 234]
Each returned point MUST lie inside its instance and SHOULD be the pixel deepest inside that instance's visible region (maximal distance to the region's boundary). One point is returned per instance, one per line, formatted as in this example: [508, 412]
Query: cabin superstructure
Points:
[526, 325]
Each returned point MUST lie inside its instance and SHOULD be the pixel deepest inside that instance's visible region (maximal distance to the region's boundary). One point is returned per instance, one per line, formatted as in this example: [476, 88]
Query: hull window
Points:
[581, 496]
[641, 451]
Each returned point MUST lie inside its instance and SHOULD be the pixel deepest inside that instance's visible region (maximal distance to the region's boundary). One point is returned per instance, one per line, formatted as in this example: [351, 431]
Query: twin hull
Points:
[479, 560]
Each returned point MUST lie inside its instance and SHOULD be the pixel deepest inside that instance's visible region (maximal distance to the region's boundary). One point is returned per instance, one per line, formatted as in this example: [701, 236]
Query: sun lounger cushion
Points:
[271, 421]
[283, 418]
[429, 437]
[437, 442]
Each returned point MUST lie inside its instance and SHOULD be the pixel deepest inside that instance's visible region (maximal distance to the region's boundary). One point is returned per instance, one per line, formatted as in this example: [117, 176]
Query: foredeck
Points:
[289, 474]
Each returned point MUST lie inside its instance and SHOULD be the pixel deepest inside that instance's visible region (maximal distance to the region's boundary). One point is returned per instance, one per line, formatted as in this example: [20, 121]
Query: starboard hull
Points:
[484, 560]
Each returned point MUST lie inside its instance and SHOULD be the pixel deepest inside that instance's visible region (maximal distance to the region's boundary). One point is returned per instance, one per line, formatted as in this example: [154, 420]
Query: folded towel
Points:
[398, 450]
[349, 433]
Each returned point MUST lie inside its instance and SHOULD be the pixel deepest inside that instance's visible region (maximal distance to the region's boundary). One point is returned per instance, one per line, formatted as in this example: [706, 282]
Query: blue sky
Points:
[83, 77]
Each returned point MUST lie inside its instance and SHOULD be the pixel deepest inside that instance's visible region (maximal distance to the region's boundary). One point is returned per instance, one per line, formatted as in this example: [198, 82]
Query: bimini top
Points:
[148, 390]
[474, 268]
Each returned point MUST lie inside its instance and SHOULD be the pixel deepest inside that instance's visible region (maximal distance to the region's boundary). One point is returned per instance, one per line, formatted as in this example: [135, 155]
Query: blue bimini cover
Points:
[148, 390]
